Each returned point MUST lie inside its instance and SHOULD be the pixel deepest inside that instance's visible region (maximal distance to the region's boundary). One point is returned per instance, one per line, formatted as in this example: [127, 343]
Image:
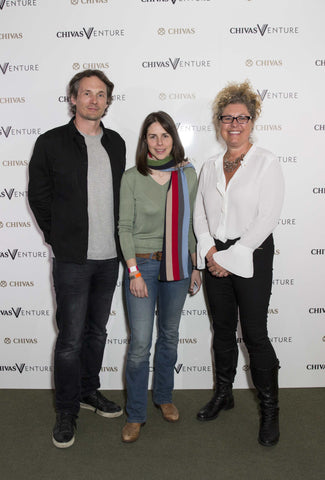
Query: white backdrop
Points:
[172, 55]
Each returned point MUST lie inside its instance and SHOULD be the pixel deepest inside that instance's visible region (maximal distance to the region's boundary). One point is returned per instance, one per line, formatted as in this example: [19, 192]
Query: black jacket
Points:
[57, 190]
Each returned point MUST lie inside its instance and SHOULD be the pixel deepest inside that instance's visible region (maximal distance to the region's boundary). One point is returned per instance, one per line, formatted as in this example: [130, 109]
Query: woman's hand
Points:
[217, 270]
[195, 284]
[138, 287]
[210, 253]
[214, 268]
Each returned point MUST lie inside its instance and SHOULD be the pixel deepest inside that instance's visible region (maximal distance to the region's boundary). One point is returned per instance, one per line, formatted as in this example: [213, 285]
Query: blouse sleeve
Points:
[200, 223]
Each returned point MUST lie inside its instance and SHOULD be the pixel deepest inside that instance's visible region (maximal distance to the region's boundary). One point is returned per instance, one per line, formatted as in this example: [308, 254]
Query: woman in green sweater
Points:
[158, 245]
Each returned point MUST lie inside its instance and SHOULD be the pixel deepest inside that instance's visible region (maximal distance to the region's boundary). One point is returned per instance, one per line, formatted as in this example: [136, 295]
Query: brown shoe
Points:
[131, 432]
[169, 412]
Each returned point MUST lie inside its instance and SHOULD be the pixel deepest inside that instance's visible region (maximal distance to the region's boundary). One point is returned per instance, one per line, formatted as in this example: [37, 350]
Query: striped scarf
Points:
[174, 262]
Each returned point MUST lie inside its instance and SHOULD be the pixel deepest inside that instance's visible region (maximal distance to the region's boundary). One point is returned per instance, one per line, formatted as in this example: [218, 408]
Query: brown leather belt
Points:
[154, 255]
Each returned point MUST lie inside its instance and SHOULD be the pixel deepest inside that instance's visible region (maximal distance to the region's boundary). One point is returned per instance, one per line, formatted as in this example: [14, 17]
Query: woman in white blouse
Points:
[238, 204]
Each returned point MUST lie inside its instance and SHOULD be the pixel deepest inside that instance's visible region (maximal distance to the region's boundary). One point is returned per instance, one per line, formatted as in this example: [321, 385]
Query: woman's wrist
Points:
[132, 276]
[134, 269]
[134, 272]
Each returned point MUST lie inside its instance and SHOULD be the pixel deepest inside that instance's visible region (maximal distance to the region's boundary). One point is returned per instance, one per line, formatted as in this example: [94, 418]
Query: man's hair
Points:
[75, 82]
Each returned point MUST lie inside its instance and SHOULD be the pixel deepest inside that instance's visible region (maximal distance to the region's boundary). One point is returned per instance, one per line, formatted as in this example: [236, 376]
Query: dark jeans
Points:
[249, 296]
[84, 296]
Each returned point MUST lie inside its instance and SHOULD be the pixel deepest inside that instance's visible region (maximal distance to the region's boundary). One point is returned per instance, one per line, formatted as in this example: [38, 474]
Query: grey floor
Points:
[223, 449]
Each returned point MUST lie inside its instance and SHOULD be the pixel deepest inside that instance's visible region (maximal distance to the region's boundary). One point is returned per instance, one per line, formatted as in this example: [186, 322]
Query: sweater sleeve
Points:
[126, 219]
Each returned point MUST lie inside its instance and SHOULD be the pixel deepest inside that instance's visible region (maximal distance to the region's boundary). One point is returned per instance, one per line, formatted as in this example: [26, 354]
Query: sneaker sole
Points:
[63, 444]
[99, 412]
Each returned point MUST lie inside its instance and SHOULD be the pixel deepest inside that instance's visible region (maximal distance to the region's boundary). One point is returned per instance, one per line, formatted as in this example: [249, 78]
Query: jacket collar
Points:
[76, 132]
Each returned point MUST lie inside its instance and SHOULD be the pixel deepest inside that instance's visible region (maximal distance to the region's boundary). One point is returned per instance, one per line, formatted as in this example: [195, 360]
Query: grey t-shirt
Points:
[101, 241]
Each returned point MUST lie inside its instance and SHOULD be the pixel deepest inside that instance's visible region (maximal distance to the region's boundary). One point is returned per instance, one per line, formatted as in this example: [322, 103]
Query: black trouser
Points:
[84, 296]
[249, 296]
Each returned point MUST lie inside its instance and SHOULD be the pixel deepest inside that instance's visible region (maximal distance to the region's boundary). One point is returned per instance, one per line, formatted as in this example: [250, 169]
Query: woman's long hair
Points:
[168, 124]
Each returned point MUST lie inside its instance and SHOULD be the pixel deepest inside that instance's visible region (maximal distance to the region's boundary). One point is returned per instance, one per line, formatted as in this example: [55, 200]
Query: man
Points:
[74, 182]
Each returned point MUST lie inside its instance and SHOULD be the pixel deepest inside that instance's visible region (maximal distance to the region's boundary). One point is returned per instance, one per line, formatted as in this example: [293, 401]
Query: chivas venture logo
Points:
[22, 367]
[12, 311]
[12, 193]
[13, 368]
[20, 312]
[176, 63]
[11, 131]
[88, 2]
[18, 3]
[268, 95]
[172, 1]
[262, 29]
[91, 32]
[181, 368]
[15, 253]
[158, 1]
[9, 254]
[9, 193]
[7, 67]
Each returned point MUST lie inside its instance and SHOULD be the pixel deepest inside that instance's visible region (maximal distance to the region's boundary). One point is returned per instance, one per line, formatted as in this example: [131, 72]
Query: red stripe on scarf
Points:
[175, 215]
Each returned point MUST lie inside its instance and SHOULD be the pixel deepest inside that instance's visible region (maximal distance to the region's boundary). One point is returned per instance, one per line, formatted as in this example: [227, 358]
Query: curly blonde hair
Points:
[236, 93]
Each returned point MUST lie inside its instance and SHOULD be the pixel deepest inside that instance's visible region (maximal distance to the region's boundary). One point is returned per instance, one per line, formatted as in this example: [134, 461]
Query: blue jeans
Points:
[170, 298]
[84, 296]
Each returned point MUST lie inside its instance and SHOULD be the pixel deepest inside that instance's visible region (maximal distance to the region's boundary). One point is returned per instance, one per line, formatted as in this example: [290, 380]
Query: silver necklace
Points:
[231, 165]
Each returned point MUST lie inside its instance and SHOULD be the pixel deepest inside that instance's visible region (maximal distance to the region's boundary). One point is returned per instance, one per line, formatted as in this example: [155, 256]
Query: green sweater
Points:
[142, 212]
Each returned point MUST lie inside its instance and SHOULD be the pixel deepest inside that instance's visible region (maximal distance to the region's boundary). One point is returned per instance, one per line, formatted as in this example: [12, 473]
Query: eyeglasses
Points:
[242, 119]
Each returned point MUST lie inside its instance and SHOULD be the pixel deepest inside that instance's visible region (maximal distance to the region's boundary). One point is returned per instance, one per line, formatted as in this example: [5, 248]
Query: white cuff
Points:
[236, 259]
[204, 243]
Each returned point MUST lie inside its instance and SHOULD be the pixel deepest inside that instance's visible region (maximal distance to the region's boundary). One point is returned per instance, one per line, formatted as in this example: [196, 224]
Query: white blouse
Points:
[247, 209]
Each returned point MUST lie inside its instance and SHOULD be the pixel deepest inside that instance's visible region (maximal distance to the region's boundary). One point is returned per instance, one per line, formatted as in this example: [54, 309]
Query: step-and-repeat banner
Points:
[172, 55]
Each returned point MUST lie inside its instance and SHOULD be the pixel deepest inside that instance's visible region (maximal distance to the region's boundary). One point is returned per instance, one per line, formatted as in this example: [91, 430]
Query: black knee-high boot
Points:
[225, 366]
[266, 384]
